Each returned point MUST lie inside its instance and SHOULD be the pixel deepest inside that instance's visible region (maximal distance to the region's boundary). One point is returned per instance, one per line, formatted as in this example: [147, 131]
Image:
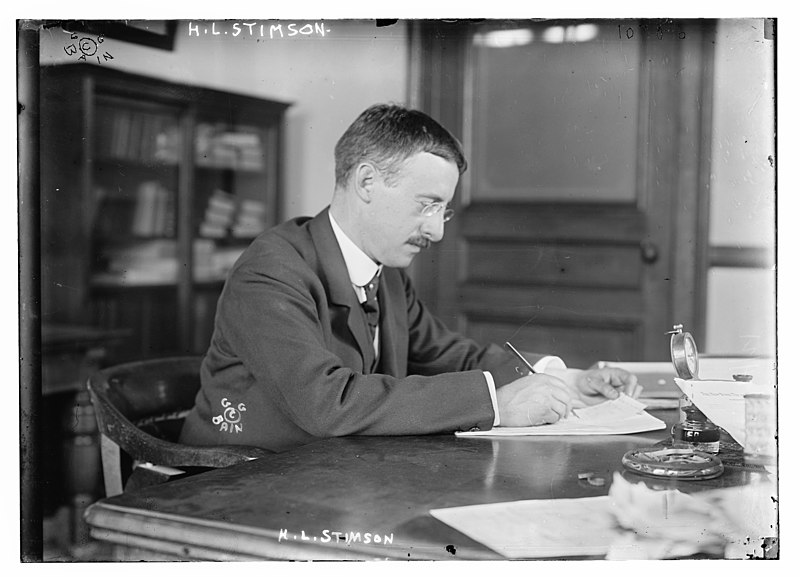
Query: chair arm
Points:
[144, 447]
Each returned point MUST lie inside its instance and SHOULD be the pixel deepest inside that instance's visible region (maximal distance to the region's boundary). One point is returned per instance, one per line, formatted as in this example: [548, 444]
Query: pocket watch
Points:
[683, 350]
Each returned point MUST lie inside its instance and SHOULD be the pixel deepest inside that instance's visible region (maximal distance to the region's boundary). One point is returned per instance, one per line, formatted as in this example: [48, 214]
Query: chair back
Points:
[140, 407]
[148, 394]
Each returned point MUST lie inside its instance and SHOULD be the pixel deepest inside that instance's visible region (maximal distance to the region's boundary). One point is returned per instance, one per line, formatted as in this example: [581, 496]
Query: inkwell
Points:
[695, 439]
[694, 430]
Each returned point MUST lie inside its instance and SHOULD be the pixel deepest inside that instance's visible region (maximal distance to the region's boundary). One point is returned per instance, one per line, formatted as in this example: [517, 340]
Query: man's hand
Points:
[533, 400]
[596, 385]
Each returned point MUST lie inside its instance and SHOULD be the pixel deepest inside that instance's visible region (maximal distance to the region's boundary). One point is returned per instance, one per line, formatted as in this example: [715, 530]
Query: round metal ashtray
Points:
[685, 464]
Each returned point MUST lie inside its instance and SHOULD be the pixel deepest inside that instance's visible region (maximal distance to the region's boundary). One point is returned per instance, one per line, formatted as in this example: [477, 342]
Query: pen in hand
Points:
[513, 349]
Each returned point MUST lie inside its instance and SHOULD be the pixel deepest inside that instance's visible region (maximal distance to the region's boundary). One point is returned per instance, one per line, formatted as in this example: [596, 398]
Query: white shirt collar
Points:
[360, 267]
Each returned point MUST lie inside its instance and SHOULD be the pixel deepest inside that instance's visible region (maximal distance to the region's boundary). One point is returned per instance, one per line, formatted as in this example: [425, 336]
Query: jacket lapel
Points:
[394, 324]
[333, 273]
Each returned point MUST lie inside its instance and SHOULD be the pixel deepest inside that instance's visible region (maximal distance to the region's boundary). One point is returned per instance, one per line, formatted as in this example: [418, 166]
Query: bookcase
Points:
[150, 190]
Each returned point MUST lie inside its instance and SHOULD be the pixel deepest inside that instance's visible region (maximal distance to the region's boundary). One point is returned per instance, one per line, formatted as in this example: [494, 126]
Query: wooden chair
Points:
[140, 407]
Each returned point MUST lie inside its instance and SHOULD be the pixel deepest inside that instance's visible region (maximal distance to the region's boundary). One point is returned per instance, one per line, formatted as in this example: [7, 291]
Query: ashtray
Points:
[685, 464]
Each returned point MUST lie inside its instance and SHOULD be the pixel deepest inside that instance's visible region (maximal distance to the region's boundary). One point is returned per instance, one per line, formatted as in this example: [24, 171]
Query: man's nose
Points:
[433, 227]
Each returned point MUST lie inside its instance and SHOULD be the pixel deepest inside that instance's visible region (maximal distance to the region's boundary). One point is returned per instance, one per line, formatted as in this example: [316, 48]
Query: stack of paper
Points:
[621, 416]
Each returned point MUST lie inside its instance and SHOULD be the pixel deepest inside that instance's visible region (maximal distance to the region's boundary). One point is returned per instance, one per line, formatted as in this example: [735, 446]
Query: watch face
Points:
[684, 355]
[691, 355]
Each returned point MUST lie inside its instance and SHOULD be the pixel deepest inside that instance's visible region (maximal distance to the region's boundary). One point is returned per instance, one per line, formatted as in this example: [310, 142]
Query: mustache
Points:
[420, 241]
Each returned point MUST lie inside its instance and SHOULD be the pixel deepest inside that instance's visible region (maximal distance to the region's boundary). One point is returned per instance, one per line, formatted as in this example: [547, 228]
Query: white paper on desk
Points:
[723, 402]
[632, 522]
[621, 416]
[537, 529]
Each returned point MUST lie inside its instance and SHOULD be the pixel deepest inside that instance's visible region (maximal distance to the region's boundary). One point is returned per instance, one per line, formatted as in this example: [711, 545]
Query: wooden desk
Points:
[289, 506]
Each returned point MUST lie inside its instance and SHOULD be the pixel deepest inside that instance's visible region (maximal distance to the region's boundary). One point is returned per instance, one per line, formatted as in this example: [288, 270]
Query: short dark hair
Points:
[389, 134]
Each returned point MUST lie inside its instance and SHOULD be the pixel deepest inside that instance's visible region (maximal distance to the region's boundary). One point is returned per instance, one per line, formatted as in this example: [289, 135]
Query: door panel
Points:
[531, 263]
[568, 225]
[522, 145]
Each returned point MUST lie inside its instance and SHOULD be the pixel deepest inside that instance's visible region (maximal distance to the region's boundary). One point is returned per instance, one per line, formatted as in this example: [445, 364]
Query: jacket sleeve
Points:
[278, 326]
[434, 349]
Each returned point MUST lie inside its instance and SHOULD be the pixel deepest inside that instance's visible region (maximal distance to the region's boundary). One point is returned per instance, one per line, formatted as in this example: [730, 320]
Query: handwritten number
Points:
[630, 32]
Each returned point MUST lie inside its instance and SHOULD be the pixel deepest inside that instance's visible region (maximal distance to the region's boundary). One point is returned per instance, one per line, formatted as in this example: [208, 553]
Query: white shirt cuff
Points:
[548, 362]
[493, 394]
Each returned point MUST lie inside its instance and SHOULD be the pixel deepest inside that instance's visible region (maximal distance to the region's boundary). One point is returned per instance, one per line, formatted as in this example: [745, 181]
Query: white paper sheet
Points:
[621, 416]
[723, 402]
[537, 529]
[633, 522]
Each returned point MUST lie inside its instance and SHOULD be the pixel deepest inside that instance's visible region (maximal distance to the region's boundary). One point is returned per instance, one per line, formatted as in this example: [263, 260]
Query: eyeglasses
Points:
[433, 208]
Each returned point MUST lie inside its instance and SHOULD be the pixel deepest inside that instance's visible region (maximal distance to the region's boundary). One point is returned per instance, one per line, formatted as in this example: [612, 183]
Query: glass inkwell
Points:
[693, 430]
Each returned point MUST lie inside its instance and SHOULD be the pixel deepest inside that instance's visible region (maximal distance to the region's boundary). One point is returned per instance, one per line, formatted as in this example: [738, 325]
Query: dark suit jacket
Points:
[287, 358]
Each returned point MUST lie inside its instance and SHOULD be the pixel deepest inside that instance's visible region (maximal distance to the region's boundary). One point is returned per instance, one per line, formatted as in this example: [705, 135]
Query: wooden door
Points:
[579, 223]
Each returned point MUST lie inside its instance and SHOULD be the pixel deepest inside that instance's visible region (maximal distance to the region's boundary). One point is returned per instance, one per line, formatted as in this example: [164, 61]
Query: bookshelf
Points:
[150, 191]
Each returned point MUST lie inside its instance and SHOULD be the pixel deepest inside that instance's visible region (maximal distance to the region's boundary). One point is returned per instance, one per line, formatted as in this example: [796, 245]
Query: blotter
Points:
[621, 416]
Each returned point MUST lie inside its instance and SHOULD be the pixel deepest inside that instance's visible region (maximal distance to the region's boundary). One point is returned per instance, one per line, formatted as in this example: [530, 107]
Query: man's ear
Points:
[365, 178]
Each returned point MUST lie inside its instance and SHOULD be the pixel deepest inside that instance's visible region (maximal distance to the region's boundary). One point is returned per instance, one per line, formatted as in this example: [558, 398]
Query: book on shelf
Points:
[138, 136]
[250, 220]
[155, 262]
[105, 122]
[218, 216]
[212, 231]
[146, 262]
[166, 142]
[222, 146]
[119, 134]
[154, 214]
[255, 207]
[204, 268]
[134, 142]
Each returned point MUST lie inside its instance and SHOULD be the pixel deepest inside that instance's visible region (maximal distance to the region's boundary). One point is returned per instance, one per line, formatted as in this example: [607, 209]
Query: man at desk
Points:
[319, 332]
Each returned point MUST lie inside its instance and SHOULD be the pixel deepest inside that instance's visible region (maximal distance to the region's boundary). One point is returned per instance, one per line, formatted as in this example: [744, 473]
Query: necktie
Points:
[372, 311]
[370, 306]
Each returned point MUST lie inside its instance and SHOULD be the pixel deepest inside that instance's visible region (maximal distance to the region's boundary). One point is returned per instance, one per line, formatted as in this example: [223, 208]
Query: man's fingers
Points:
[560, 407]
[634, 388]
[624, 379]
[610, 382]
[561, 394]
[600, 385]
[549, 417]
[556, 416]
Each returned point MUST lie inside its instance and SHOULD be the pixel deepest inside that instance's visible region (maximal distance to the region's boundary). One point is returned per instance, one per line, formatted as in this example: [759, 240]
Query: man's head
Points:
[391, 165]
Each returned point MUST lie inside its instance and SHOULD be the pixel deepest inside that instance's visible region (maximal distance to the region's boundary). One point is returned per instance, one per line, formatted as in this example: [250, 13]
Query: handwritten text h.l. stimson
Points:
[328, 536]
[272, 30]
